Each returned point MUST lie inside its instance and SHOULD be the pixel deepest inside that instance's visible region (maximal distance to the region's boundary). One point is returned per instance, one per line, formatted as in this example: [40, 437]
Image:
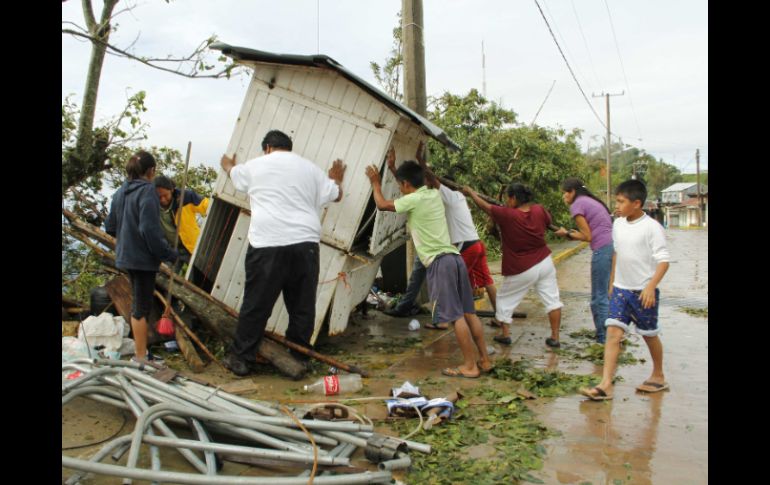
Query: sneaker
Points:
[236, 365]
[148, 358]
[396, 313]
[552, 343]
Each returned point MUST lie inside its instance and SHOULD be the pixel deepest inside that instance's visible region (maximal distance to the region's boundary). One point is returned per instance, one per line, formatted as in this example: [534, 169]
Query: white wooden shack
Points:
[329, 113]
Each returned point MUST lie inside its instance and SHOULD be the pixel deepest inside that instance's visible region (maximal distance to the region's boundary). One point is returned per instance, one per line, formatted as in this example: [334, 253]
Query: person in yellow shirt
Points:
[169, 216]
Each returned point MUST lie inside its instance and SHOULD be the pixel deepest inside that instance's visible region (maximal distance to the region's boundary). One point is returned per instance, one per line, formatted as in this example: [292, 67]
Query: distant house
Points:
[680, 205]
[680, 192]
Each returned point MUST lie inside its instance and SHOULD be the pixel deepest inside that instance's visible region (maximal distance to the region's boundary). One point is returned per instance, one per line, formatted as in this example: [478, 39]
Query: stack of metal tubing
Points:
[222, 423]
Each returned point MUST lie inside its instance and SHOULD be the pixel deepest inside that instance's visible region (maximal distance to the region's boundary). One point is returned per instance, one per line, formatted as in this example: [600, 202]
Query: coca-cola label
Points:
[331, 385]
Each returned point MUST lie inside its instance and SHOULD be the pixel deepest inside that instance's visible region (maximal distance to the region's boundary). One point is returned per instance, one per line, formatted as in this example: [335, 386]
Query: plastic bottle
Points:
[336, 384]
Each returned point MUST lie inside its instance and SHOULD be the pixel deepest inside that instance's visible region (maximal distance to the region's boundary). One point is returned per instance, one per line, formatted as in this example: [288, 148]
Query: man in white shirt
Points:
[640, 261]
[286, 195]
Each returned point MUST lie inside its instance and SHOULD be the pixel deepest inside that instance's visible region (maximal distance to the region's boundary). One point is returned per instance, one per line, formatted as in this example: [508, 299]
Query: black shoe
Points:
[502, 340]
[236, 365]
[396, 313]
[552, 343]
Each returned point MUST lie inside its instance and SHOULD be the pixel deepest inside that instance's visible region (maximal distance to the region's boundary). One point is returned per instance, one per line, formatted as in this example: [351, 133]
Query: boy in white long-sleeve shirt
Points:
[640, 261]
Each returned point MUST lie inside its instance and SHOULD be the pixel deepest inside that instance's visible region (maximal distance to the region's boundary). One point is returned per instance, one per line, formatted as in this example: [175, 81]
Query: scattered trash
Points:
[128, 347]
[335, 384]
[171, 346]
[73, 348]
[106, 329]
[406, 390]
[222, 426]
[491, 350]
[414, 325]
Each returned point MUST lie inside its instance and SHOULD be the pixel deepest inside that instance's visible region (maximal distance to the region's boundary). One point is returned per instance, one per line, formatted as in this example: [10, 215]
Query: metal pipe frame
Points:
[193, 479]
[246, 451]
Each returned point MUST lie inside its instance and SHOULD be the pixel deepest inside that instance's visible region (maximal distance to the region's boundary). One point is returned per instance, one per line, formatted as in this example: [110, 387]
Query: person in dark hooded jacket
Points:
[134, 221]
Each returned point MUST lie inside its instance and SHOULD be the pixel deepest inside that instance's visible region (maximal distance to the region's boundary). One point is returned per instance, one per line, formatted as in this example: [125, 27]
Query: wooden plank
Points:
[232, 264]
[316, 136]
[264, 124]
[302, 136]
[326, 146]
[298, 81]
[238, 132]
[293, 121]
[358, 192]
[351, 96]
[325, 85]
[364, 101]
[281, 117]
[388, 225]
[241, 150]
[376, 112]
[312, 82]
[359, 277]
[338, 90]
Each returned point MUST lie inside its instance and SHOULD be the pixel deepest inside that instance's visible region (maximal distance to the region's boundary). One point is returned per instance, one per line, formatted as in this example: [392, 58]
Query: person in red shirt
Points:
[527, 260]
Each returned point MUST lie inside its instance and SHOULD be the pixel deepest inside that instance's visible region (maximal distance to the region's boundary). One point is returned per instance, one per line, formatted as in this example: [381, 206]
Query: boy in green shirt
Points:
[448, 282]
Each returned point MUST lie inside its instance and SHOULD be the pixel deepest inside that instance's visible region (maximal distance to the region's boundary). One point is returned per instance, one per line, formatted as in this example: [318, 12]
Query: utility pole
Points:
[607, 140]
[414, 75]
[414, 56]
[416, 99]
[697, 182]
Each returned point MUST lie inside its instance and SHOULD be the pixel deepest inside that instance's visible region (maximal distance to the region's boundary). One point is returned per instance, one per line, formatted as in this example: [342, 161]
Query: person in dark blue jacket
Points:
[134, 221]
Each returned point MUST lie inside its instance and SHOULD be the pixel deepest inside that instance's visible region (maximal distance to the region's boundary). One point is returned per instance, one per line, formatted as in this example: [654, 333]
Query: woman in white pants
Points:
[527, 260]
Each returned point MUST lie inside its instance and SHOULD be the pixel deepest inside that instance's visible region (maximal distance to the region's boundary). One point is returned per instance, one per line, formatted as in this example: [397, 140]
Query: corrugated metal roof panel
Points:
[326, 62]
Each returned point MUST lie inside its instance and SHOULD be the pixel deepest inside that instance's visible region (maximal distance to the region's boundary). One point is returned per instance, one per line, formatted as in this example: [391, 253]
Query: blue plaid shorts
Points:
[626, 308]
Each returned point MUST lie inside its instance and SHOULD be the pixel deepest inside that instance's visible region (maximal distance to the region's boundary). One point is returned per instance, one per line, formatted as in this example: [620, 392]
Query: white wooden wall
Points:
[359, 277]
[389, 226]
[229, 284]
[327, 117]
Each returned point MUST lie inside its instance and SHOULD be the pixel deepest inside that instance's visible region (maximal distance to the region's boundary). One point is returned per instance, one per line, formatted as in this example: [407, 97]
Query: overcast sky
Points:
[663, 48]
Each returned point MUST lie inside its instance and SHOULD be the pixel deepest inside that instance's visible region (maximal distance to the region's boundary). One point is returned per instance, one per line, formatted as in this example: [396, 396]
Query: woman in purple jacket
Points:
[594, 224]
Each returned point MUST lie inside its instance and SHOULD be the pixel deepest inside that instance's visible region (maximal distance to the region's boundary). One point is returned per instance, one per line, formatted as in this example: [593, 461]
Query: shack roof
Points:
[325, 62]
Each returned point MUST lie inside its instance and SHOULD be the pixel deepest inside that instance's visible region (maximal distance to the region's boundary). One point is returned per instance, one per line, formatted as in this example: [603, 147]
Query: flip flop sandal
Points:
[484, 370]
[434, 326]
[455, 372]
[502, 340]
[599, 394]
[651, 387]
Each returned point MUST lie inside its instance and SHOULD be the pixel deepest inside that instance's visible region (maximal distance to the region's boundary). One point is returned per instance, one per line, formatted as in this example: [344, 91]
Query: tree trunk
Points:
[215, 315]
[85, 160]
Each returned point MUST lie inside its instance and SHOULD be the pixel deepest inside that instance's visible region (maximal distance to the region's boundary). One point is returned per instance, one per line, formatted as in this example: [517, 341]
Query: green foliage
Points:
[83, 185]
[656, 174]
[497, 151]
[586, 349]
[388, 75]
[511, 432]
[696, 312]
[541, 382]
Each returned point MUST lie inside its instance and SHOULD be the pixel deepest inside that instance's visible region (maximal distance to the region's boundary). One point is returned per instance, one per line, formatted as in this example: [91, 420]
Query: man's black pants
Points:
[292, 269]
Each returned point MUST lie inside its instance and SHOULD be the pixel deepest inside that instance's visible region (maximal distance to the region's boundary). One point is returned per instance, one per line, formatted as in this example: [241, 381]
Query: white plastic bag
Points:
[105, 329]
[72, 348]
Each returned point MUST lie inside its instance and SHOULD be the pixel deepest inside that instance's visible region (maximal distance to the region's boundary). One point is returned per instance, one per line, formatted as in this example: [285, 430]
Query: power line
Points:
[568, 66]
[585, 42]
[565, 44]
[614, 37]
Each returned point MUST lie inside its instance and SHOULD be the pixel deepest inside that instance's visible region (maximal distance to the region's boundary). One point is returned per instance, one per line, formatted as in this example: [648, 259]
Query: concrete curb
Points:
[569, 252]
